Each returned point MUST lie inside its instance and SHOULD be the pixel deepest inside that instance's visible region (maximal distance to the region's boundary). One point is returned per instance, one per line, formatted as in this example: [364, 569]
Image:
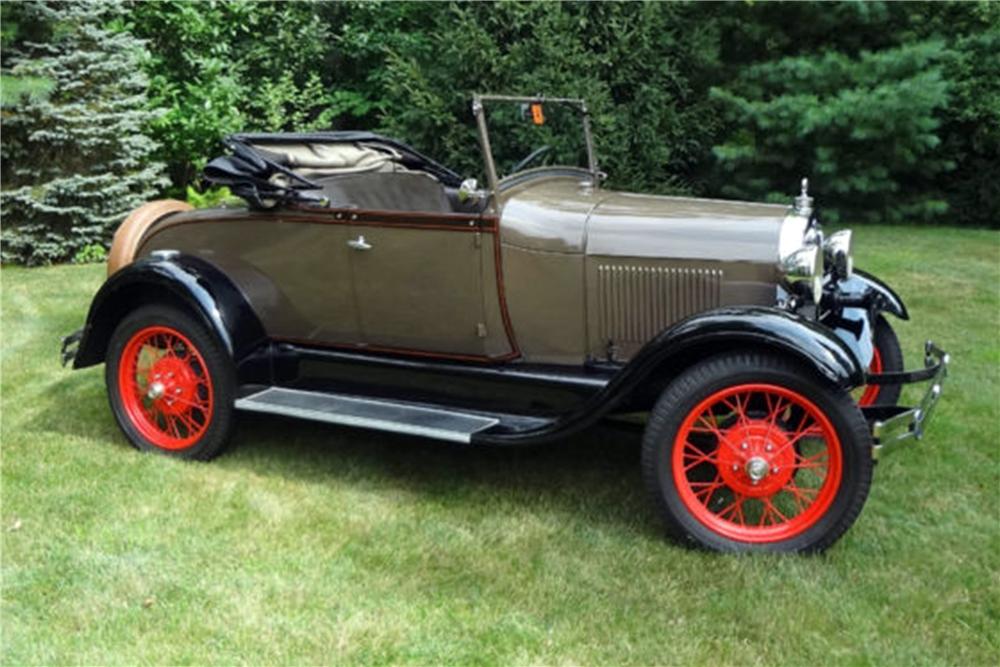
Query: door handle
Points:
[359, 244]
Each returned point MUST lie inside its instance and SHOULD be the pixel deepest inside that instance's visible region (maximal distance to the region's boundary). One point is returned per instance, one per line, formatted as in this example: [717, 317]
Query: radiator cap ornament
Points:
[803, 203]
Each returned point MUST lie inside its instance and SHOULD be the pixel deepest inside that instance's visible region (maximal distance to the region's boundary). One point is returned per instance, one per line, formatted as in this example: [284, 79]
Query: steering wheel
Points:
[532, 156]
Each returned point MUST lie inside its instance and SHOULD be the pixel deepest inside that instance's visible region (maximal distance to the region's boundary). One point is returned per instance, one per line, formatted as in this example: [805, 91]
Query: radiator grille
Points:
[637, 302]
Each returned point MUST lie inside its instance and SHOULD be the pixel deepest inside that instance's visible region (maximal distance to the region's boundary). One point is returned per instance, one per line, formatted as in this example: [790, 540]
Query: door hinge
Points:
[481, 330]
[478, 239]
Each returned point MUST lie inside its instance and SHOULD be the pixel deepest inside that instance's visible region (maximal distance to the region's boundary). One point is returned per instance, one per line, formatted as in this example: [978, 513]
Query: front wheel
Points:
[752, 452]
[170, 384]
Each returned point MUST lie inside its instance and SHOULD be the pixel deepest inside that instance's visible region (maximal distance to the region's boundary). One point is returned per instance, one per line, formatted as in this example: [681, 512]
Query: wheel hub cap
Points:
[755, 458]
[756, 469]
[172, 385]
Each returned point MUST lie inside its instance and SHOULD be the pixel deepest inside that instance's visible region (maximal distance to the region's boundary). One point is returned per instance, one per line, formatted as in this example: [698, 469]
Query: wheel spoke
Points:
[709, 427]
[705, 494]
[189, 423]
[735, 507]
[172, 426]
[716, 432]
[814, 462]
[739, 409]
[774, 510]
[799, 435]
[697, 458]
[801, 494]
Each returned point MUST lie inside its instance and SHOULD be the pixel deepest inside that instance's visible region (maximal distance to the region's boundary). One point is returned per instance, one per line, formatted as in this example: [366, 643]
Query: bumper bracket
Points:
[892, 425]
[70, 345]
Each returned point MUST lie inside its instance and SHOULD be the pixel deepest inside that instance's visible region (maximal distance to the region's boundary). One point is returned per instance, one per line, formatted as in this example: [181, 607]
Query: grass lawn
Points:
[309, 543]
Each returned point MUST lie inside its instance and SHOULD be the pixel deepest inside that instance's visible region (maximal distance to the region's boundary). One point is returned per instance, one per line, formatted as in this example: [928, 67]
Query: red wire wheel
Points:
[757, 463]
[872, 391]
[165, 387]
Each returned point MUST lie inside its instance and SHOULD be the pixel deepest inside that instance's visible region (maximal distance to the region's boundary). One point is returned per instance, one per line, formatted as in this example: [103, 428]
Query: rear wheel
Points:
[170, 384]
[750, 452]
[887, 358]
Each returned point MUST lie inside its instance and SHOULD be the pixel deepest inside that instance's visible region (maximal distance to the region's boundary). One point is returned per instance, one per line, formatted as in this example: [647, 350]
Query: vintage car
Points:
[365, 284]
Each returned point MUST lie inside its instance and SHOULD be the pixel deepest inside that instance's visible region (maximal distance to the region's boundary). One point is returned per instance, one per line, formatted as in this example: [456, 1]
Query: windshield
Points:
[526, 133]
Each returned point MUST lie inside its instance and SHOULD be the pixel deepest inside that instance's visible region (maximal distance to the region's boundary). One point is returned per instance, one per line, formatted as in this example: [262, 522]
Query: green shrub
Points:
[94, 253]
[212, 197]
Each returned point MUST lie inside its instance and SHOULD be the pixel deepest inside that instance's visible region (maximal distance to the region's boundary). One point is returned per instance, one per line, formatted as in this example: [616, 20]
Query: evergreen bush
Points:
[892, 109]
[75, 160]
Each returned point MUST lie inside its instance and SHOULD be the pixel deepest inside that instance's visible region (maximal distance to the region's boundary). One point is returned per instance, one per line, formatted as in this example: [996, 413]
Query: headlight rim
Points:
[805, 264]
[838, 251]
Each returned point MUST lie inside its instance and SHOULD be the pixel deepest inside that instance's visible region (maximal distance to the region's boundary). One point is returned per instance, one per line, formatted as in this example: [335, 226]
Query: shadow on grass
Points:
[74, 403]
[592, 477]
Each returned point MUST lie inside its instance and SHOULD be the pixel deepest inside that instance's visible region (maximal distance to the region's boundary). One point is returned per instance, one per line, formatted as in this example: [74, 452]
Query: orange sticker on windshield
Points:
[537, 117]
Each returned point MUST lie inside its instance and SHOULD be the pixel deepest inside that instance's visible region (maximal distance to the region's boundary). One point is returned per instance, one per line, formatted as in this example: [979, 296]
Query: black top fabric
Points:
[411, 159]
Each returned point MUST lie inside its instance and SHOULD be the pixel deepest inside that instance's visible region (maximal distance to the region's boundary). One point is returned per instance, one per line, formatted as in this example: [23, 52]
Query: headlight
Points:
[838, 251]
[792, 236]
[806, 264]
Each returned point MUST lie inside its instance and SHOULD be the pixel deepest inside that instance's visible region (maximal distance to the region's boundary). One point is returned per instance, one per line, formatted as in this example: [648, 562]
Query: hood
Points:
[633, 225]
[558, 215]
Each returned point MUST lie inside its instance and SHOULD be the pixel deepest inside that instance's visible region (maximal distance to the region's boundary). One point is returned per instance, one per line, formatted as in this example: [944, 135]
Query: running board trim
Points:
[383, 415]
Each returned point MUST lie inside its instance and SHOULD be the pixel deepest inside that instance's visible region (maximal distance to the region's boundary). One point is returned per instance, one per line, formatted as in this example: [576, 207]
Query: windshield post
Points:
[589, 139]
[484, 143]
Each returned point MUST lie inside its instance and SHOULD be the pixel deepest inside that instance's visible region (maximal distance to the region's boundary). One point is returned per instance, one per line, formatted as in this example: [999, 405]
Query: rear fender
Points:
[173, 277]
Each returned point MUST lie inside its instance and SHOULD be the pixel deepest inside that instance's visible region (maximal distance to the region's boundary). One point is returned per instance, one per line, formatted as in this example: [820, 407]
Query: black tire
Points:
[217, 421]
[891, 355]
[721, 373]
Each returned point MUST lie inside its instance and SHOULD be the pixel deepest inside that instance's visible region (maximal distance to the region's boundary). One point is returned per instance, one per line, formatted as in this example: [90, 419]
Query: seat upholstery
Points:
[387, 191]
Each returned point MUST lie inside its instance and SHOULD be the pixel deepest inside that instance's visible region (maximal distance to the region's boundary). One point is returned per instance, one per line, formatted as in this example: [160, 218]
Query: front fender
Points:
[698, 337]
[192, 281]
[890, 302]
[813, 344]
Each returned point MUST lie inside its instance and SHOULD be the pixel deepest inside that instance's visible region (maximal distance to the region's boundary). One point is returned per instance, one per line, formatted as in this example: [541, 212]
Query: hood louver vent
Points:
[636, 303]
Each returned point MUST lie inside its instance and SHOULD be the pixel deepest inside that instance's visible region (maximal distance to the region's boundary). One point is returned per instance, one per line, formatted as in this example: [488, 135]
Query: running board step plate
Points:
[368, 413]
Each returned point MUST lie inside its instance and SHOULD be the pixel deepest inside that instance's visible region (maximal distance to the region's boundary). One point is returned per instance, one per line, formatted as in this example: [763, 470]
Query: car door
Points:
[426, 283]
[293, 266]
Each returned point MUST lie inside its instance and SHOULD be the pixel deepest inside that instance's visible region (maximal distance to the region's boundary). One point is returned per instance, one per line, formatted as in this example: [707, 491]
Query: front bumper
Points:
[892, 425]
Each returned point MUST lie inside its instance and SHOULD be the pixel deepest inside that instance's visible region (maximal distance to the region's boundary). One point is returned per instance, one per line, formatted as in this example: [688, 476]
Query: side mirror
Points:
[469, 191]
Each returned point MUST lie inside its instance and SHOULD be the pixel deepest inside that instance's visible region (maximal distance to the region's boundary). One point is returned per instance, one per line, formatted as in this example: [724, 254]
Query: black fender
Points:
[171, 276]
[817, 346]
[730, 328]
[890, 302]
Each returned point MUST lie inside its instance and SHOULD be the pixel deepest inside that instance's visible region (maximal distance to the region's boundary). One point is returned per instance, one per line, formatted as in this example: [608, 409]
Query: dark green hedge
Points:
[893, 109]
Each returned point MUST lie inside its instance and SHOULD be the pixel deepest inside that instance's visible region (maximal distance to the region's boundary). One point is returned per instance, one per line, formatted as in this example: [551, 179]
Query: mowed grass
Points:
[309, 543]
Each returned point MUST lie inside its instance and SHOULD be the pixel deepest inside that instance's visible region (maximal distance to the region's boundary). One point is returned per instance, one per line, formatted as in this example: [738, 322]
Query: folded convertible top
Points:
[268, 168]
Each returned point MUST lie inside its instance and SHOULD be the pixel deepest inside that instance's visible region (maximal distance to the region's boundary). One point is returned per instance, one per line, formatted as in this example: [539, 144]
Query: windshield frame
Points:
[479, 111]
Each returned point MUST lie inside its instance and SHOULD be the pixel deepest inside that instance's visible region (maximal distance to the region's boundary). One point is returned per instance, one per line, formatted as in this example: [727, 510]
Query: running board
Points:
[397, 417]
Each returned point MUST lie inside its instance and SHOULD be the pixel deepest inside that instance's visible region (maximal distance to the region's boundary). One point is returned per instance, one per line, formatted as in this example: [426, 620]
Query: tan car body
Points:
[564, 274]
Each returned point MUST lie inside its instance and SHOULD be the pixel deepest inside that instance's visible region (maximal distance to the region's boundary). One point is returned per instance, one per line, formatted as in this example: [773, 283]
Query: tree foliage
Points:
[637, 65]
[75, 160]
[879, 102]
[827, 116]
[892, 109]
